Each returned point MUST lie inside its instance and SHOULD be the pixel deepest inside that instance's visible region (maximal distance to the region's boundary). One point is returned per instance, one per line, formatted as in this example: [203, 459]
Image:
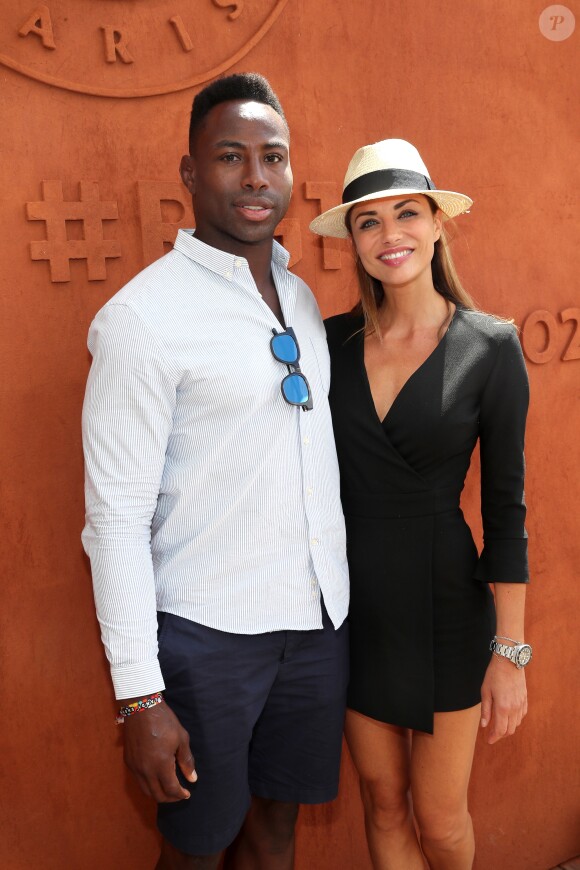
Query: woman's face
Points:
[395, 238]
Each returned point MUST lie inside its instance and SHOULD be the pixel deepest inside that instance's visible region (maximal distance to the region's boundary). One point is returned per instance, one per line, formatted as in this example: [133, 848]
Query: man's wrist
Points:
[137, 706]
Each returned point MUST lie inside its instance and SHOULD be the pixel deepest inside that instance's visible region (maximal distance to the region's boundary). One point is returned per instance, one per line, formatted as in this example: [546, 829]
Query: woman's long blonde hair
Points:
[445, 280]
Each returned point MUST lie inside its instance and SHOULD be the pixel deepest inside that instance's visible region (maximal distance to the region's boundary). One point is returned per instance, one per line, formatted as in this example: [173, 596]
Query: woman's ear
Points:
[437, 225]
[187, 172]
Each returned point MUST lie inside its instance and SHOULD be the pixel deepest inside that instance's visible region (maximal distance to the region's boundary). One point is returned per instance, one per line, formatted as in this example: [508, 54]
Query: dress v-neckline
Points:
[411, 377]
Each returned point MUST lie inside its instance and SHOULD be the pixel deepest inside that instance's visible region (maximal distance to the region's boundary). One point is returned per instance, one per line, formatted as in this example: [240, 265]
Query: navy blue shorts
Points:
[265, 715]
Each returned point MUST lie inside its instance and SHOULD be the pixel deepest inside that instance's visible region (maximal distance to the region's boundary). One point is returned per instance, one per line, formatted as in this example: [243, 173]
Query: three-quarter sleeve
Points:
[503, 411]
[127, 420]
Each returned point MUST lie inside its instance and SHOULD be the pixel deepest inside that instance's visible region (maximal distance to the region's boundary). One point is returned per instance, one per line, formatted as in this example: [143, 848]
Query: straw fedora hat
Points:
[388, 168]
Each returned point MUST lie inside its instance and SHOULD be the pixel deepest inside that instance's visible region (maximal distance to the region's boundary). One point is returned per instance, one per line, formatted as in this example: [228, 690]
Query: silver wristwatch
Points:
[520, 654]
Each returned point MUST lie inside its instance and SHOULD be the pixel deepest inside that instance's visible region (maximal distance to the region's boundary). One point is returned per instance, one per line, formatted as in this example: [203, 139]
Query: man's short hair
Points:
[240, 86]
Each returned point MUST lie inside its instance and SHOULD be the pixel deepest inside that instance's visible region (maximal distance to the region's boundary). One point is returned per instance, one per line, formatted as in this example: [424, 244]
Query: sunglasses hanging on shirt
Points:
[294, 386]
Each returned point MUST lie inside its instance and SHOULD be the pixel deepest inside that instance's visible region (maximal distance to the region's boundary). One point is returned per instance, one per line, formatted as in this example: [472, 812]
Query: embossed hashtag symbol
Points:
[57, 248]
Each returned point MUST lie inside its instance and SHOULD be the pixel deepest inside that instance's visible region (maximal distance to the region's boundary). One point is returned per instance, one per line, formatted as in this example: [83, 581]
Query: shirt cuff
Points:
[136, 681]
[503, 561]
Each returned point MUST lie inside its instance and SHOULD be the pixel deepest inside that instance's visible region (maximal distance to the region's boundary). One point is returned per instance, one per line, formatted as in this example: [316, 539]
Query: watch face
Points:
[524, 655]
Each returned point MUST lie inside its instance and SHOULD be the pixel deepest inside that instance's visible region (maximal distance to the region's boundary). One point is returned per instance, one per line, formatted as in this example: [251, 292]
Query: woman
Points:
[418, 375]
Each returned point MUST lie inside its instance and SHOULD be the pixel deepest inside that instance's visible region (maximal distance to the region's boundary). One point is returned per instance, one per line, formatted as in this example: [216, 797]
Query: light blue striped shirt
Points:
[207, 495]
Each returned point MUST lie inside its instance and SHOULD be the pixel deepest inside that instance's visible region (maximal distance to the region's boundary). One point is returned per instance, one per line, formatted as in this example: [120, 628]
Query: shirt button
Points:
[314, 542]
[313, 584]
[227, 275]
[309, 490]
[238, 264]
[306, 440]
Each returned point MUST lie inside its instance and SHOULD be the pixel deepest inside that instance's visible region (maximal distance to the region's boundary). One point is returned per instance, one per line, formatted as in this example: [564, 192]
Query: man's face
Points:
[239, 175]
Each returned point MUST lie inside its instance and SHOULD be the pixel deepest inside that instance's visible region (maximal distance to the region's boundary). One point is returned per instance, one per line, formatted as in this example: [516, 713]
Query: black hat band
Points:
[385, 179]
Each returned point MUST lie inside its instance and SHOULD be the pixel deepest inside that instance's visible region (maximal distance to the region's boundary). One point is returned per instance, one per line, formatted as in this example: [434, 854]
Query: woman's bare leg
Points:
[440, 770]
[382, 756]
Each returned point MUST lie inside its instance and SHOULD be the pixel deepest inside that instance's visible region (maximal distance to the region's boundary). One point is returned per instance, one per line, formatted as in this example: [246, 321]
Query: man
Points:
[214, 525]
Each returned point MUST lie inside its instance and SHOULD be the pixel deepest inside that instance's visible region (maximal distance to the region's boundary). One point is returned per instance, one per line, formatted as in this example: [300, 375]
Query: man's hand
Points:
[504, 701]
[154, 741]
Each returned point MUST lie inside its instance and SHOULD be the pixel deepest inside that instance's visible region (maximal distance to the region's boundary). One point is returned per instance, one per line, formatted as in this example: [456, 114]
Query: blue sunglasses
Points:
[294, 386]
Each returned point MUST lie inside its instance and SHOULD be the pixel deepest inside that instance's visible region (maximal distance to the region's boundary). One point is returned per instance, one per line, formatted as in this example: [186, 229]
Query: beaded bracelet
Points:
[137, 706]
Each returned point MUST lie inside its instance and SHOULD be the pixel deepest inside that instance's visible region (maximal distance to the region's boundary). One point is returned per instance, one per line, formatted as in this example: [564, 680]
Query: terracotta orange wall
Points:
[492, 105]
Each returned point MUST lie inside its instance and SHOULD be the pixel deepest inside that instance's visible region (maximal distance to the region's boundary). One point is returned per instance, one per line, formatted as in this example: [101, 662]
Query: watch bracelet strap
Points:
[502, 649]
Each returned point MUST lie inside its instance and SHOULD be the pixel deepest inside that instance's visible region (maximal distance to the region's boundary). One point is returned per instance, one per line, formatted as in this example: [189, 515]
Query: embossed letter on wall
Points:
[115, 45]
[155, 229]
[326, 193]
[39, 22]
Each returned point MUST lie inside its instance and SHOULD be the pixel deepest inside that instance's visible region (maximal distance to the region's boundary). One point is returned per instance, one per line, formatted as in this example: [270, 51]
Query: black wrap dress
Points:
[422, 613]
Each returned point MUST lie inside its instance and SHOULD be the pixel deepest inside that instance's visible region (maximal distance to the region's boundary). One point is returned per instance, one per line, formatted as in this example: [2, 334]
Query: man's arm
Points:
[127, 422]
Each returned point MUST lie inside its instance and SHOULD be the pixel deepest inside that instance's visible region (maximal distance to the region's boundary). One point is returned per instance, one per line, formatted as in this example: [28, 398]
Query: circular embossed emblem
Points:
[123, 48]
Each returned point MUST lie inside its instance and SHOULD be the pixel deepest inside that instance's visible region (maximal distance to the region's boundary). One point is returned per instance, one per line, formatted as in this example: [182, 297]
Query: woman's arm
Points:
[503, 693]
[503, 410]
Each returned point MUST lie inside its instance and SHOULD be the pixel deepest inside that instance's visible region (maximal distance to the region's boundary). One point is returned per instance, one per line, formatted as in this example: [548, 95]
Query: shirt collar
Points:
[220, 261]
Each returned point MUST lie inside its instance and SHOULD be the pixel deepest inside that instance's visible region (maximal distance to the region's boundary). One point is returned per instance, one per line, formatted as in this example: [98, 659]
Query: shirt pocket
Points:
[322, 362]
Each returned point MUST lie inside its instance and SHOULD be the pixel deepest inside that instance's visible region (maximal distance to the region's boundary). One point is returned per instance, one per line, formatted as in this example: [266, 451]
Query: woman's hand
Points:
[504, 698]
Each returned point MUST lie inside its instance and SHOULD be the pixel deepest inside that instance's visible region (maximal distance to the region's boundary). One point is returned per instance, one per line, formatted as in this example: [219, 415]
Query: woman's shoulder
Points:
[341, 327]
[487, 328]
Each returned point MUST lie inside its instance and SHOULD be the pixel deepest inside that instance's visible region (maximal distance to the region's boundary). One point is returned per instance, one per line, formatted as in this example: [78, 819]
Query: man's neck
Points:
[261, 269]
[260, 262]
